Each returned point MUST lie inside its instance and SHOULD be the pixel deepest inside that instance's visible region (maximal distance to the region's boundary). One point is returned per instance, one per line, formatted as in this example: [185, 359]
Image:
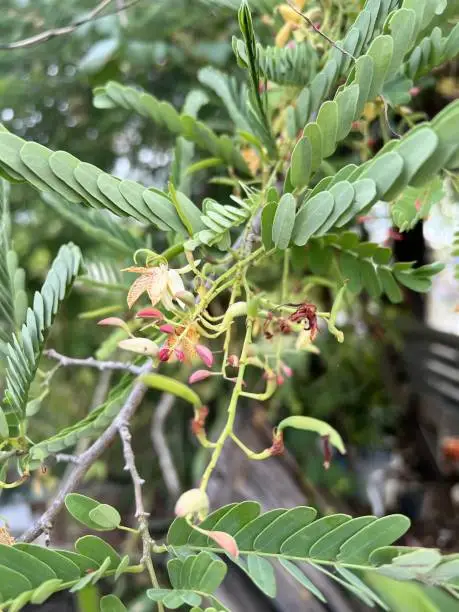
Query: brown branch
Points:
[318, 30]
[54, 32]
[166, 462]
[90, 362]
[86, 459]
[141, 515]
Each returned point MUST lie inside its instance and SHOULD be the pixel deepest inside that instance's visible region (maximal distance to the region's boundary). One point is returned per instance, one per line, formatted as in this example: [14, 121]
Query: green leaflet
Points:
[284, 220]
[111, 603]
[24, 349]
[301, 164]
[175, 387]
[93, 514]
[311, 216]
[315, 425]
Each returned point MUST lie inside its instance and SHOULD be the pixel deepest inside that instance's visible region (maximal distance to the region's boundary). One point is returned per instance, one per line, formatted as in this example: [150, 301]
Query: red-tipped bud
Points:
[327, 451]
[277, 447]
[167, 328]
[205, 354]
[280, 380]
[415, 91]
[179, 354]
[149, 313]
[198, 376]
[114, 322]
[233, 361]
[225, 541]
[287, 370]
[164, 354]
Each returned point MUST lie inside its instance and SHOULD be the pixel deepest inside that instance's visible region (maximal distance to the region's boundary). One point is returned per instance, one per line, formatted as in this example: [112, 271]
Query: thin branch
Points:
[166, 462]
[86, 459]
[65, 458]
[318, 30]
[141, 515]
[90, 362]
[54, 32]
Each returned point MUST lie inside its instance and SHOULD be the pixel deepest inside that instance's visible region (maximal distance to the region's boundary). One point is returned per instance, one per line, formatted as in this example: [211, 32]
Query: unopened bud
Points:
[149, 313]
[205, 354]
[164, 354]
[185, 296]
[198, 376]
[167, 328]
[192, 503]
[143, 346]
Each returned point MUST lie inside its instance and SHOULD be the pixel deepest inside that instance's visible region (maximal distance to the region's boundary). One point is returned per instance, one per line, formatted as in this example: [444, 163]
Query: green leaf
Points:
[381, 51]
[98, 550]
[111, 603]
[311, 216]
[261, 572]
[92, 513]
[327, 120]
[346, 101]
[313, 134]
[284, 220]
[32, 568]
[13, 582]
[370, 278]
[64, 568]
[272, 537]
[328, 546]
[390, 287]
[381, 532]
[45, 591]
[295, 571]
[267, 221]
[122, 566]
[315, 425]
[105, 516]
[343, 196]
[301, 163]
[175, 387]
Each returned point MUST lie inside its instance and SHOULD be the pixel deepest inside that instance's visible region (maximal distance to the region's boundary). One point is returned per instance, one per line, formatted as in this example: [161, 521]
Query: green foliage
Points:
[24, 350]
[295, 535]
[31, 573]
[164, 114]
[93, 514]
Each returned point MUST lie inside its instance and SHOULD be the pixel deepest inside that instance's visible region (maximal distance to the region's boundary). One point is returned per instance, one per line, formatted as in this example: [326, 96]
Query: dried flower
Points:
[233, 361]
[161, 284]
[197, 424]
[5, 537]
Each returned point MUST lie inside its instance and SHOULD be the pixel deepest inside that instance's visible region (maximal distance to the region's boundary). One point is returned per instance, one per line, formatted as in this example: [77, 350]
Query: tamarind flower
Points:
[159, 282]
[5, 537]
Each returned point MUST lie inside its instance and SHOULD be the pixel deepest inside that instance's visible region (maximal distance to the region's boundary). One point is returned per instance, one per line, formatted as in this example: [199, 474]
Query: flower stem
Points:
[228, 429]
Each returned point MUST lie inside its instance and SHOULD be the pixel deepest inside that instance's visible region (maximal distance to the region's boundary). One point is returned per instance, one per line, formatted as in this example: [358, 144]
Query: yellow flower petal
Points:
[283, 35]
[138, 287]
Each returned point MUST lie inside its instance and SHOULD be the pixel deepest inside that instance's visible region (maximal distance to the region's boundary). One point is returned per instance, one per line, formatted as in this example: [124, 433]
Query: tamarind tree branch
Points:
[90, 362]
[86, 459]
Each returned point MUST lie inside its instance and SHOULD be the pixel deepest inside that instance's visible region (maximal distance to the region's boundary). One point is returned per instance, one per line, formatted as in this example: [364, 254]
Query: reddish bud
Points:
[197, 424]
[205, 354]
[198, 376]
[327, 451]
[418, 204]
[149, 313]
[277, 447]
[280, 380]
[415, 91]
[225, 541]
[287, 370]
[395, 235]
[179, 354]
[167, 329]
[164, 354]
[113, 322]
[233, 361]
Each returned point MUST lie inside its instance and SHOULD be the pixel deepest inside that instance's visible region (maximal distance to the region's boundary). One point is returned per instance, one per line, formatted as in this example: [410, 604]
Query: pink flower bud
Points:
[149, 313]
[225, 541]
[233, 361]
[164, 354]
[114, 322]
[280, 379]
[167, 329]
[179, 354]
[205, 354]
[415, 91]
[198, 376]
[287, 370]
